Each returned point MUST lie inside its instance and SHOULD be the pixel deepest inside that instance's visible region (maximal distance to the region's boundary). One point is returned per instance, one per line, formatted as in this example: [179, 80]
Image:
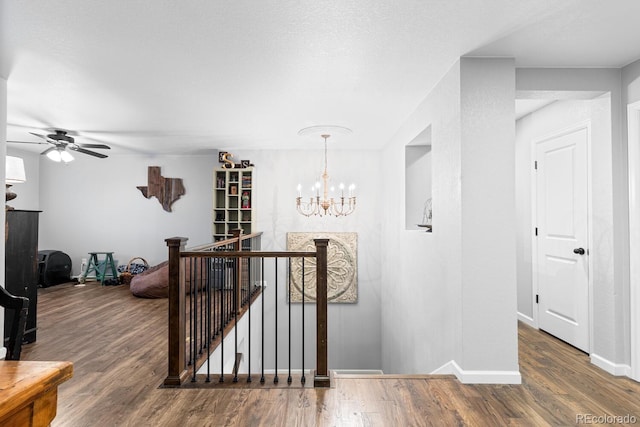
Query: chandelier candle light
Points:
[327, 204]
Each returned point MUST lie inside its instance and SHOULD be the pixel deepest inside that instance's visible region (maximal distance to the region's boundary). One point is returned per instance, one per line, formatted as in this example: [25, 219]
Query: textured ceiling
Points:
[182, 77]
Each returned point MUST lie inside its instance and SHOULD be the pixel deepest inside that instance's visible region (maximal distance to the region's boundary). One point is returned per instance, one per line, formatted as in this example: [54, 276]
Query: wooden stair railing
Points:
[178, 369]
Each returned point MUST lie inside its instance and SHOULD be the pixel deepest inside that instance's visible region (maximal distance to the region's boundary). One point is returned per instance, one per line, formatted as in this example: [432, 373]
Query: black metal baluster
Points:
[197, 280]
[275, 293]
[249, 330]
[208, 311]
[289, 309]
[262, 298]
[236, 282]
[216, 295]
[222, 309]
[194, 317]
[303, 379]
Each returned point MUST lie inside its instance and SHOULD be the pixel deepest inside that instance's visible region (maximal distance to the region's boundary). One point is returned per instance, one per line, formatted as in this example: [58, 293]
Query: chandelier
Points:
[323, 203]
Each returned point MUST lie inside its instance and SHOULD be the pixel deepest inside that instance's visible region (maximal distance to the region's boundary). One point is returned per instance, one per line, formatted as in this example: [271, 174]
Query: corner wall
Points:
[449, 297]
[489, 320]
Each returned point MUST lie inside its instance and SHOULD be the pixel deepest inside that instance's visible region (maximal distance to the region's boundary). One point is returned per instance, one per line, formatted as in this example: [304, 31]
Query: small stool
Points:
[94, 265]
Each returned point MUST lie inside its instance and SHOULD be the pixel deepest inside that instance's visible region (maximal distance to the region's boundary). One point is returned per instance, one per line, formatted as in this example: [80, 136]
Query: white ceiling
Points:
[182, 77]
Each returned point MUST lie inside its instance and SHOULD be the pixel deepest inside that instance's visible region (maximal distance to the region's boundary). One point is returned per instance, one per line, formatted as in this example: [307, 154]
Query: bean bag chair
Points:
[154, 282]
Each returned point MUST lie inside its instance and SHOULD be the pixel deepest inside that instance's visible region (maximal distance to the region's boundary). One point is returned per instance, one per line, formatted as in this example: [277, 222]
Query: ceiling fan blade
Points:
[46, 138]
[106, 147]
[47, 150]
[27, 142]
[89, 152]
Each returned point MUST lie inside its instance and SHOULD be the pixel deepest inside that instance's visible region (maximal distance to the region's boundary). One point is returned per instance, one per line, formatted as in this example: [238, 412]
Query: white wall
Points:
[489, 322]
[610, 202]
[354, 329]
[421, 273]
[93, 205]
[450, 295]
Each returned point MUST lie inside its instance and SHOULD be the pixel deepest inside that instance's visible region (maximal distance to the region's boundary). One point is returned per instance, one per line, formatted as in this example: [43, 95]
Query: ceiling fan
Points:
[61, 142]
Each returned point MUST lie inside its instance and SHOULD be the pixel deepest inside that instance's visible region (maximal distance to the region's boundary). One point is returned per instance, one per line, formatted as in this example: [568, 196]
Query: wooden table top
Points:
[24, 381]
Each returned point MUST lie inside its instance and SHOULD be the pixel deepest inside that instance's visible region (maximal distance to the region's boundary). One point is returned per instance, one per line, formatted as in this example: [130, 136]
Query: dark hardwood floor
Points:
[117, 344]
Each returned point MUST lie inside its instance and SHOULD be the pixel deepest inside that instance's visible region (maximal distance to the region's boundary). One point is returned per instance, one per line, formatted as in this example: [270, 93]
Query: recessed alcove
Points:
[417, 164]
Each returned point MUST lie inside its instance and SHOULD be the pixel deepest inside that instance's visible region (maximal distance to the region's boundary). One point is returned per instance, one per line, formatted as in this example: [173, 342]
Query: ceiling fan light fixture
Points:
[54, 155]
[66, 156]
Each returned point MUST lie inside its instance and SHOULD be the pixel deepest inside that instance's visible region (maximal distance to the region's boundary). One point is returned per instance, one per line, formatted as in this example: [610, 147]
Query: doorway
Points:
[561, 243]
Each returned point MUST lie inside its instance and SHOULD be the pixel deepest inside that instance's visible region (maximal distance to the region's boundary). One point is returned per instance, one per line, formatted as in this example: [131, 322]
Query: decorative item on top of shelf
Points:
[327, 205]
[14, 174]
[342, 267]
[166, 190]
[224, 157]
[427, 215]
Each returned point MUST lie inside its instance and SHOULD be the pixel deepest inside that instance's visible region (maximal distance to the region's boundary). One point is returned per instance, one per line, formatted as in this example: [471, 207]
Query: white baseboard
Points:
[479, 377]
[526, 319]
[616, 369]
[446, 369]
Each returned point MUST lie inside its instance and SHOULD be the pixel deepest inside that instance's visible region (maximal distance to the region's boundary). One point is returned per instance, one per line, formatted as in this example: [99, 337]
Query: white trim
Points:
[3, 353]
[528, 320]
[486, 377]
[446, 369]
[585, 124]
[478, 377]
[616, 369]
[633, 143]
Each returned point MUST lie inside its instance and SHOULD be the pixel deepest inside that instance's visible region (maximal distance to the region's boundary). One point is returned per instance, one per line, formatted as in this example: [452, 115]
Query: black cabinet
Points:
[21, 265]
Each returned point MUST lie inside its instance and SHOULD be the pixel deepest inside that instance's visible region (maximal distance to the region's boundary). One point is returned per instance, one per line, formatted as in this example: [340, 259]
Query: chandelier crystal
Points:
[323, 204]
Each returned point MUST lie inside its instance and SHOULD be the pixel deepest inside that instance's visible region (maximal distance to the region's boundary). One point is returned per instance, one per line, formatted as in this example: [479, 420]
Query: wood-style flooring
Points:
[117, 344]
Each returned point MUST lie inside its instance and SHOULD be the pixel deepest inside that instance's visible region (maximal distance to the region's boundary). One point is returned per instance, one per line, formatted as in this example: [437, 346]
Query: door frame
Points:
[586, 124]
[633, 126]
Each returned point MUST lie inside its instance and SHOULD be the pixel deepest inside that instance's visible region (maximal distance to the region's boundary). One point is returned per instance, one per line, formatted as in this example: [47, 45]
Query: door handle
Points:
[578, 251]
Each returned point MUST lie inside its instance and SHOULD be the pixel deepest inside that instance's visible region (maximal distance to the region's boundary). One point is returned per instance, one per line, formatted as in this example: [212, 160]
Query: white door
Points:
[562, 252]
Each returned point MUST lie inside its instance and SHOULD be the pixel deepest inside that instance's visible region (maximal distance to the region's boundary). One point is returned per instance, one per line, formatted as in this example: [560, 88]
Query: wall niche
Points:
[417, 165]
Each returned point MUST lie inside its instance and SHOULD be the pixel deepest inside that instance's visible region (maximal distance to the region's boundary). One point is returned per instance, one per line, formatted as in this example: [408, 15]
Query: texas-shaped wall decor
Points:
[166, 190]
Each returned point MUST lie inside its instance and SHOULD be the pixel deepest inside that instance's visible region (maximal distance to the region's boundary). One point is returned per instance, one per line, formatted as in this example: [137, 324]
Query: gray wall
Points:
[446, 297]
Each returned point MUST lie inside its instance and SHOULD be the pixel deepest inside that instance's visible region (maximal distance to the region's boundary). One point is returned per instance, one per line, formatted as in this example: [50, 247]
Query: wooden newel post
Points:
[177, 317]
[321, 376]
[237, 246]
